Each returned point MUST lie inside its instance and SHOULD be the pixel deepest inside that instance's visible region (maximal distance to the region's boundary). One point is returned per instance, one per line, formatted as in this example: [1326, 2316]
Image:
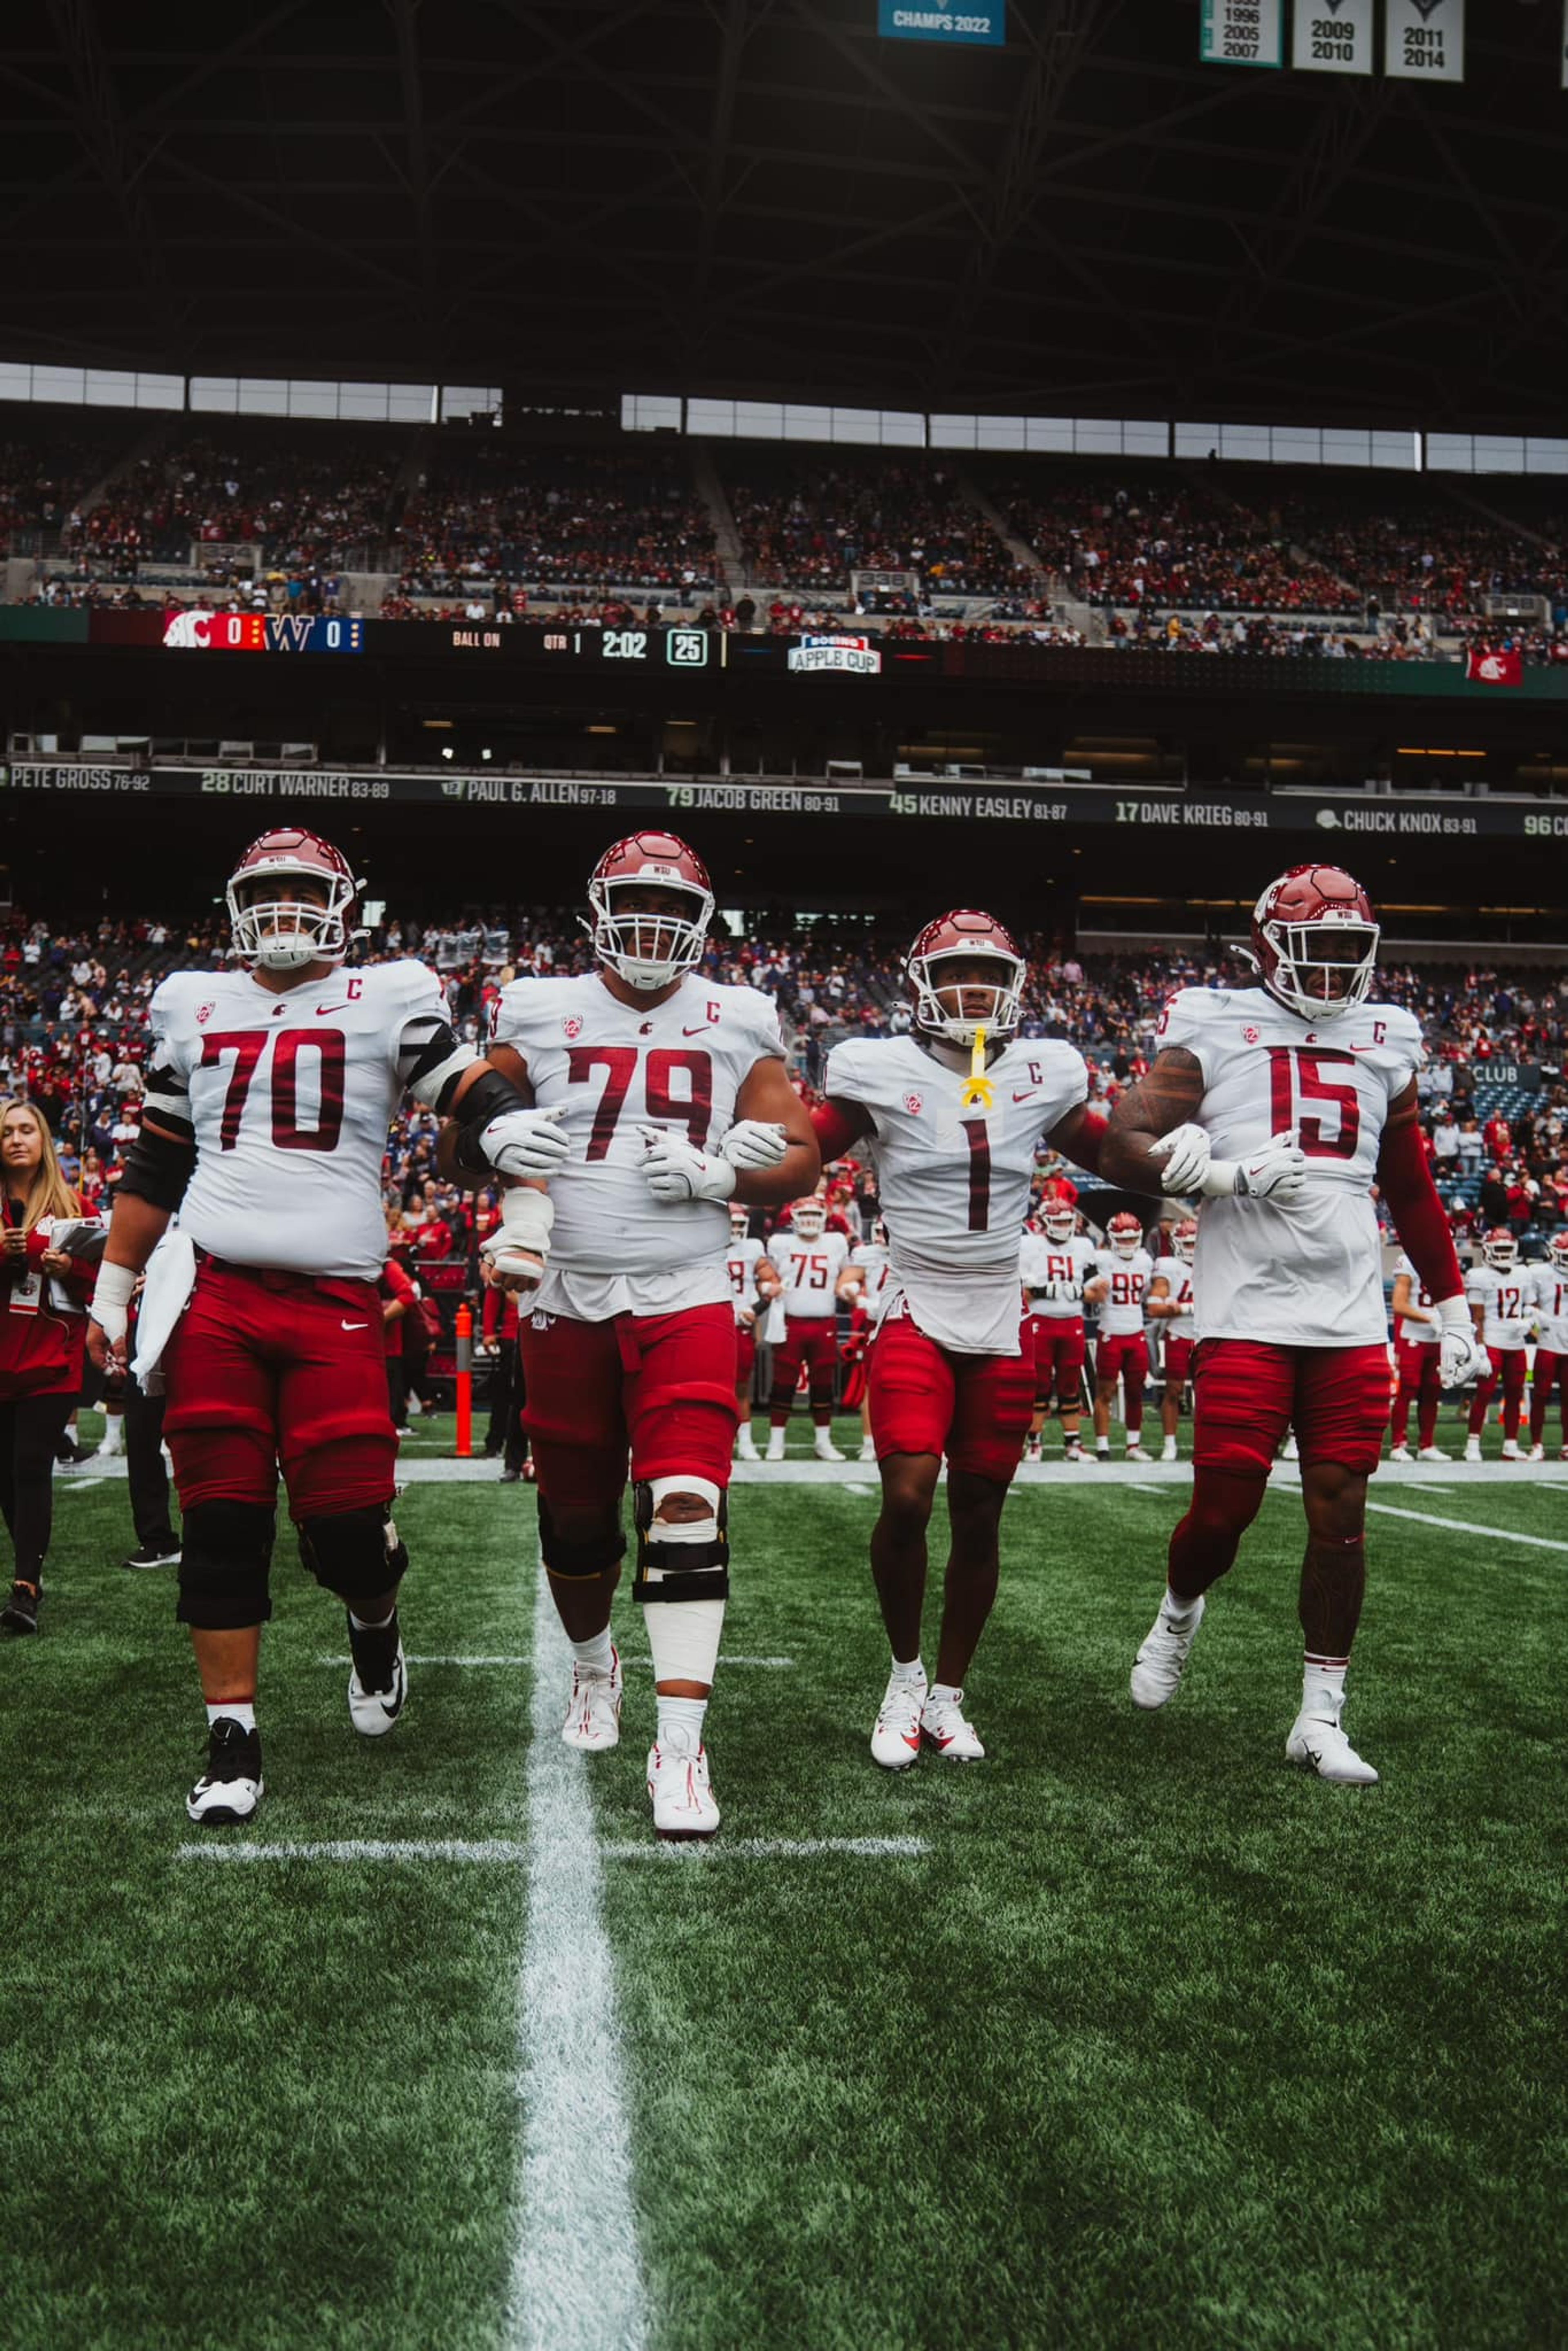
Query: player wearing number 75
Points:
[672, 1095]
[950, 1114]
[269, 1091]
[1307, 1086]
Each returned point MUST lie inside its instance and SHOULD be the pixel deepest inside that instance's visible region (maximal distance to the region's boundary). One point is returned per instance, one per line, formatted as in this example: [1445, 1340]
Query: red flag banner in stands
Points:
[1495, 669]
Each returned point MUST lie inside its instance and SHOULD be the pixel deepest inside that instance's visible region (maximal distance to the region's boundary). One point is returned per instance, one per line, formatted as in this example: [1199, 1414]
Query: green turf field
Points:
[1130, 2036]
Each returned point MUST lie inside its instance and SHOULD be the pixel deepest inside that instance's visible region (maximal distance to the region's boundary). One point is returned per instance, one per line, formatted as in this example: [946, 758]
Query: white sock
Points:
[113, 1437]
[1101, 1445]
[373, 1624]
[1177, 1605]
[596, 1655]
[1322, 1686]
[944, 1694]
[913, 1673]
[240, 1711]
[681, 1719]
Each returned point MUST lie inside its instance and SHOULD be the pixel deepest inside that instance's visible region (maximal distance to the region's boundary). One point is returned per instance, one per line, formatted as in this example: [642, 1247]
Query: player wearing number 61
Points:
[269, 1091]
[951, 1115]
[1307, 1086]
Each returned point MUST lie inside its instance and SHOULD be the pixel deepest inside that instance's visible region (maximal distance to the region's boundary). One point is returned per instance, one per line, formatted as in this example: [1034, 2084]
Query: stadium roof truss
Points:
[763, 199]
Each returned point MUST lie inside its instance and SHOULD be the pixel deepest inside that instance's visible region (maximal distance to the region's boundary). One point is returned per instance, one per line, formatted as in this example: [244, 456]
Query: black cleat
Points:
[154, 1554]
[232, 1786]
[20, 1614]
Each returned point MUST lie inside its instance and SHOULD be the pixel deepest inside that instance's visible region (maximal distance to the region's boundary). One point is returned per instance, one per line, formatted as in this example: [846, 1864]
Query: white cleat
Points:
[1292, 1451]
[1538, 1452]
[746, 1446]
[231, 1787]
[895, 1740]
[1510, 1448]
[775, 1447]
[868, 1449]
[1159, 1664]
[1168, 1450]
[1317, 1744]
[378, 1680]
[1401, 1453]
[593, 1715]
[684, 1803]
[1472, 1449]
[1031, 1452]
[1136, 1453]
[944, 1727]
[1433, 1453]
[824, 1449]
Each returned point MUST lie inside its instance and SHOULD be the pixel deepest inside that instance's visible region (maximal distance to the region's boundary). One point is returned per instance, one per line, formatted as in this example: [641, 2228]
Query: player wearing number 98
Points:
[673, 1095]
[1308, 1086]
[952, 1369]
[269, 1092]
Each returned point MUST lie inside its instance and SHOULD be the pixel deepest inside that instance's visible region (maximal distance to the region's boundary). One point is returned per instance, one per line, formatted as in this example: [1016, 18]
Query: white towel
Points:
[171, 1278]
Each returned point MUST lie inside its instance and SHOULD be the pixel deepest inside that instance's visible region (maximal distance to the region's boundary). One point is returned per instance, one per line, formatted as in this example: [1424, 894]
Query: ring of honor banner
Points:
[1424, 40]
[1243, 33]
[1334, 36]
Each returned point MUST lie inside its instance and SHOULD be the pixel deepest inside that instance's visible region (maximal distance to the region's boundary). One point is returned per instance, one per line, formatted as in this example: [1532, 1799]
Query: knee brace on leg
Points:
[355, 1553]
[224, 1554]
[681, 1559]
[578, 1562]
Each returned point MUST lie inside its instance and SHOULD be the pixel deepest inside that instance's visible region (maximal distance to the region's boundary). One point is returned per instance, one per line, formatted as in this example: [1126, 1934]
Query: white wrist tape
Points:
[115, 1288]
[1453, 1314]
[526, 1217]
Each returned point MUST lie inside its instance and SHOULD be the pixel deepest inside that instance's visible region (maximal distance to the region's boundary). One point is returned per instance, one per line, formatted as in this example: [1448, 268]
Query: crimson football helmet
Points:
[1059, 1219]
[1499, 1250]
[739, 1220]
[1184, 1240]
[965, 934]
[1557, 1250]
[1294, 924]
[648, 950]
[879, 1232]
[809, 1219]
[284, 935]
[1124, 1233]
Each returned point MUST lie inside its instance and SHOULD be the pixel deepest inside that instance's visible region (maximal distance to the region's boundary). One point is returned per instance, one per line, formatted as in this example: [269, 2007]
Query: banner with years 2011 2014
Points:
[1424, 40]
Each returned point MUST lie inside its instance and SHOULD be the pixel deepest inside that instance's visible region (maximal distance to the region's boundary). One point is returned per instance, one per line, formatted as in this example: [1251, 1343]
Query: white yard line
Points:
[449, 1849]
[642, 1663]
[577, 2269]
[772, 1849]
[1470, 1527]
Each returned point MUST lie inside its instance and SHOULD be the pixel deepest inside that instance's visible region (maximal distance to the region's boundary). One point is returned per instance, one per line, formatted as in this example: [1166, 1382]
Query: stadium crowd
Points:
[488, 516]
[807, 528]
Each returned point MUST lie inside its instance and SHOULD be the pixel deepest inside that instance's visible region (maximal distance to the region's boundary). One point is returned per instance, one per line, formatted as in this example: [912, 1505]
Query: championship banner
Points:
[1495, 669]
[1334, 36]
[1424, 40]
[1242, 33]
[982, 24]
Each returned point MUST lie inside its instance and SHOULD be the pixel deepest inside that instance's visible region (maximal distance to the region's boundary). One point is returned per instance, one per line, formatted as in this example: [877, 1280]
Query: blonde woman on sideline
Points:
[43, 1329]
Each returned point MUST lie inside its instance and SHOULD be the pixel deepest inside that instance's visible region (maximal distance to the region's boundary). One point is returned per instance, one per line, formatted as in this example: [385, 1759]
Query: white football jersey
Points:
[616, 1068]
[954, 1182]
[1309, 1275]
[874, 1264]
[1411, 1333]
[745, 1255]
[1178, 1273]
[1122, 1308]
[1507, 1303]
[1549, 1299]
[1068, 1264]
[808, 1271]
[290, 1096]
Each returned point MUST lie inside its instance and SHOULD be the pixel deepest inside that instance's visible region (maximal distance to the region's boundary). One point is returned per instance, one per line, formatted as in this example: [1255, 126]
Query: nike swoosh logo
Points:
[1029, 1096]
[700, 1028]
[332, 1007]
[355, 1326]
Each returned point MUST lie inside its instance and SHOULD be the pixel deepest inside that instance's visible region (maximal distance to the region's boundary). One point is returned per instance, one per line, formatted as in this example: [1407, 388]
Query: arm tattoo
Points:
[1170, 1095]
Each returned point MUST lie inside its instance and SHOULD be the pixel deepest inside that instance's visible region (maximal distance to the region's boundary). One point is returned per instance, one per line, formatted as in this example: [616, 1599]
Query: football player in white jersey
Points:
[1501, 1295]
[1119, 1288]
[1417, 1365]
[866, 1282]
[751, 1280]
[1549, 1297]
[1170, 1301]
[1055, 1264]
[269, 1092]
[1308, 1088]
[673, 1093]
[809, 1261]
[951, 1114]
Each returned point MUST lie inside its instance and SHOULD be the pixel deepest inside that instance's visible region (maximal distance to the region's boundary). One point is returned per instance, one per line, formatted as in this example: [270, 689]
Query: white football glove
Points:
[519, 1244]
[526, 1142]
[1185, 1151]
[1278, 1172]
[1461, 1356]
[755, 1142]
[674, 1169]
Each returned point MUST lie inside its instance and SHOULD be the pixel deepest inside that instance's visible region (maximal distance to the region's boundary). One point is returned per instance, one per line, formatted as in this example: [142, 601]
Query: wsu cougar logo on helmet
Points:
[645, 942]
